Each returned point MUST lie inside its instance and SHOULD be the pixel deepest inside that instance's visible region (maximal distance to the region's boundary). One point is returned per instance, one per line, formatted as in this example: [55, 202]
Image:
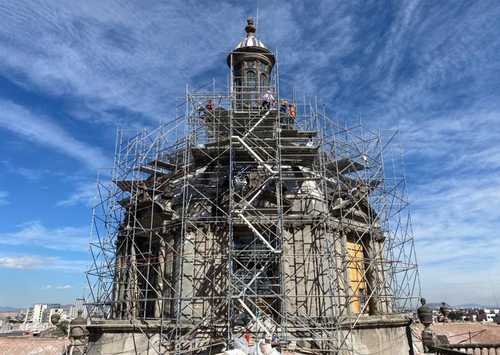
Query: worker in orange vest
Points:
[209, 106]
[292, 112]
[247, 336]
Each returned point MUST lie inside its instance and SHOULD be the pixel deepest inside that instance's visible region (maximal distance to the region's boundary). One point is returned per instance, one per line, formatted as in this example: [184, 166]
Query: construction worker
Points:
[284, 119]
[247, 336]
[292, 112]
[209, 106]
[284, 106]
[267, 100]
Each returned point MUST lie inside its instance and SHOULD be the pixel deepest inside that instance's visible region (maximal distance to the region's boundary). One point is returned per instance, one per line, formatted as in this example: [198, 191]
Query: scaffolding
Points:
[236, 218]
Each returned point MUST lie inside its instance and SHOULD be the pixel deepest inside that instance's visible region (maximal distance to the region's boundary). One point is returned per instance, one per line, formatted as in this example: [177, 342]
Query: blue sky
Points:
[72, 71]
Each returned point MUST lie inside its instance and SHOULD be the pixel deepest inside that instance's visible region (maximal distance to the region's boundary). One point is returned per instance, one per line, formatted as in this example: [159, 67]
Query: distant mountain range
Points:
[17, 309]
[475, 305]
[467, 305]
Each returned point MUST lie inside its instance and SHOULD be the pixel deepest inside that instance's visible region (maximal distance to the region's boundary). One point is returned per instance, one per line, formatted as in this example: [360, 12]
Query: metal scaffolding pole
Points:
[234, 218]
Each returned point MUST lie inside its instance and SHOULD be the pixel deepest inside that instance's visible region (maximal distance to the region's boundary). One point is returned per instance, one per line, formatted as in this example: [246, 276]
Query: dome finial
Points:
[250, 28]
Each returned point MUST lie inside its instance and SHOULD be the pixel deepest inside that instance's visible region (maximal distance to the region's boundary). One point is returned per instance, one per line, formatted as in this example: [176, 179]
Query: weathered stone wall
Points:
[374, 336]
[204, 273]
[381, 340]
[309, 267]
[127, 343]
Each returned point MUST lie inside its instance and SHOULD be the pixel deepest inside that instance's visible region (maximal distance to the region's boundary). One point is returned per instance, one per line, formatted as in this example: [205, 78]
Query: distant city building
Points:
[28, 317]
[79, 305]
[38, 310]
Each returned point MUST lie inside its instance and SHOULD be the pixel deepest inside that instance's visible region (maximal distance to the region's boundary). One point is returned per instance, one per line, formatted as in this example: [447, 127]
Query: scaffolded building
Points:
[242, 217]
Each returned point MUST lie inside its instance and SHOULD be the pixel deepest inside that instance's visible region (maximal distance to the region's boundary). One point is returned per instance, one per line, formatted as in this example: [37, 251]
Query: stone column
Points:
[344, 292]
[187, 274]
[375, 277]
[119, 284]
[132, 284]
[160, 277]
[385, 298]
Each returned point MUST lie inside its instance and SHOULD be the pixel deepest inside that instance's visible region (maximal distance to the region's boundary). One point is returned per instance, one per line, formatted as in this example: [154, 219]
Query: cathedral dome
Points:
[250, 44]
[250, 40]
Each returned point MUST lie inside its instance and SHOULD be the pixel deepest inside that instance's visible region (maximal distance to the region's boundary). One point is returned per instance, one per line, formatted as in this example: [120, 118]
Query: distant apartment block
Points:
[79, 305]
[37, 314]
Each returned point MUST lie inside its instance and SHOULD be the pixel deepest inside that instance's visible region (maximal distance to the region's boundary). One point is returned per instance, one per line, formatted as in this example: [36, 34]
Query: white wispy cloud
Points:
[21, 262]
[111, 55]
[37, 262]
[4, 198]
[57, 287]
[437, 60]
[36, 234]
[44, 131]
[30, 174]
[455, 190]
[434, 83]
[85, 193]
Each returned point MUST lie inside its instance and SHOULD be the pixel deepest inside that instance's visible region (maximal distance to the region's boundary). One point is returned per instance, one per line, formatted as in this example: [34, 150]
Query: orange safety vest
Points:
[293, 113]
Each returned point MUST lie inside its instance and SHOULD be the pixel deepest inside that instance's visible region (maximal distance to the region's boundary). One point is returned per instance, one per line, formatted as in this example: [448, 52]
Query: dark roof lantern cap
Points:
[250, 28]
[250, 44]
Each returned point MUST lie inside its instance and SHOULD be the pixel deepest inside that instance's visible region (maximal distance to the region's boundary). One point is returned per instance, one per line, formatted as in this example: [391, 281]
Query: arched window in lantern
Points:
[264, 83]
[251, 89]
